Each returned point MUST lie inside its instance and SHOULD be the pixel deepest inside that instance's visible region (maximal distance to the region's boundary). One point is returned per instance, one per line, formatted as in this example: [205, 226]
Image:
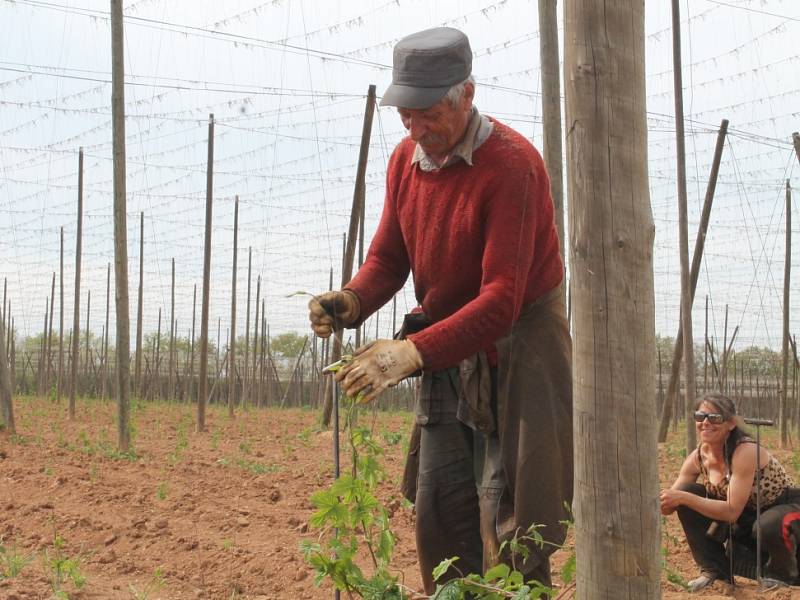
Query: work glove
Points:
[378, 365]
[331, 311]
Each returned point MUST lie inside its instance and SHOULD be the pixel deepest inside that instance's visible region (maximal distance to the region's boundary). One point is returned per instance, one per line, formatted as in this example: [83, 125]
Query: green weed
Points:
[61, 569]
[154, 585]
[392, 438]
[162, 490]
[12, 561]
[254, 467]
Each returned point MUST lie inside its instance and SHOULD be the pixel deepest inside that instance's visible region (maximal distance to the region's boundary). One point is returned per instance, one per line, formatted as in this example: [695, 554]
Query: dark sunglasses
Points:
[715, 418]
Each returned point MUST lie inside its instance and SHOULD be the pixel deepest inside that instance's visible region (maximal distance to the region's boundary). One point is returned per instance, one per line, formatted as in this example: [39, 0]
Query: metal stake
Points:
[758, 422]
[335, 406]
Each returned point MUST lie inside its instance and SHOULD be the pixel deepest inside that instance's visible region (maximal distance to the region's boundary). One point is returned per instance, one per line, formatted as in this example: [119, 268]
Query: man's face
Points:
[439, 128]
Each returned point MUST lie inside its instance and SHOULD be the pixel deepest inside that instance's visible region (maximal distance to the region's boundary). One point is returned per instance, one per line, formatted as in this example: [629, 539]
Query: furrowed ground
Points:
[215, 515]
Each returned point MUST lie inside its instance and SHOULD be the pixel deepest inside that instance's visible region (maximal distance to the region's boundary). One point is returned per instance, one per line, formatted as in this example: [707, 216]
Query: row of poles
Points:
[254, 373]
[750, 380]
[244, 375]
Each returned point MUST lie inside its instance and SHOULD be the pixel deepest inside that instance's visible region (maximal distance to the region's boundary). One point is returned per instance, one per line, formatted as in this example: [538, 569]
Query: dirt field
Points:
[217, 515]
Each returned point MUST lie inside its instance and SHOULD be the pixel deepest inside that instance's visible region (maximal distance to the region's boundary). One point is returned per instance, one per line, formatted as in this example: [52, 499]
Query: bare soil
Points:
[216, 515]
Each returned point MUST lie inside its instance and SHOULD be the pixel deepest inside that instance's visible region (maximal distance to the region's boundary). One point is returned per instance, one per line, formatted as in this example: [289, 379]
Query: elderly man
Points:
[468, 211]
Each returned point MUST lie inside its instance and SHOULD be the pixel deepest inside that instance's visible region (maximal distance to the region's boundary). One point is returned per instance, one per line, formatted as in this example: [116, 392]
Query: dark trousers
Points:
[459, 486]
[780, 532]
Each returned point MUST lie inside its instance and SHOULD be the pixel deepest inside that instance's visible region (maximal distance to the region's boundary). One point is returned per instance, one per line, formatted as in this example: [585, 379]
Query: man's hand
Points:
[333, 310]
[377, 366]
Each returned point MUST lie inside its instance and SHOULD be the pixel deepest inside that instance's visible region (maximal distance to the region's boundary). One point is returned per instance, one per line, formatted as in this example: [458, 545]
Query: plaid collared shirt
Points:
[478, 131]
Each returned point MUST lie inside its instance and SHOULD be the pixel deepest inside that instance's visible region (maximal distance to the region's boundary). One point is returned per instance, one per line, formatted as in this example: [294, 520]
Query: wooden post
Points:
[295, 371]
[105, 333]
[257, 324]
[247, 328]
[48, 353]
[796, 142]
[232, 343]
[76, 326]
[787, 268]
[172, 333]
[722, 377]
[120, 229]
[139, 347]
[11, 354]
[705, 351]
[683, 229]
[6, 396]
[551, 113]
[660, 381]
[358, 193]
[191, 344]
[59, 384]
[203, 384]
[262, 401]
[157, 358]
[360, 333]
[86, 367]
[617, 528]
[42, 352]
[673, 384]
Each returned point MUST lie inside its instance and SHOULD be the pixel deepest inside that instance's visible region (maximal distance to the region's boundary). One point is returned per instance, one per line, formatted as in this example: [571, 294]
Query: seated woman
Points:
[725, 464]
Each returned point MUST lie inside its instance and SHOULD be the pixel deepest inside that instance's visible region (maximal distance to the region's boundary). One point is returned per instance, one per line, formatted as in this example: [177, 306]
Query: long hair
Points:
[727, 408]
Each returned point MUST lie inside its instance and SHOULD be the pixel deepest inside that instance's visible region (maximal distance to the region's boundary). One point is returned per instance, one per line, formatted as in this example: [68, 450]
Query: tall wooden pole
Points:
[86, 366]
[157, 358]
[120, 227]
[255, 338]
[360, 332]
[11, 353]
[203, 384]
[783, 408]
[232, 334]
[59, 384]
[699, 245]
[551, 112]
[43, 351]
[683, 229]
[76, 325]
[358, 194]
[191, 344]
[617, 535]
[105, 336]
[796, 142]
[5, 291]
[49, 352]
[247, 327]
[6, 400]
[705, 350]
[173, 332]
[139, 307]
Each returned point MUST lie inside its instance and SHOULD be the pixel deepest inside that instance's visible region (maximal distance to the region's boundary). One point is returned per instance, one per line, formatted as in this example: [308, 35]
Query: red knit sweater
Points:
[480, 241]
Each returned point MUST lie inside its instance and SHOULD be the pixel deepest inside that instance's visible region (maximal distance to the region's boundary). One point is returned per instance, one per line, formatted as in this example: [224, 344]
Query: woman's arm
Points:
[741, 485]
[688, 474]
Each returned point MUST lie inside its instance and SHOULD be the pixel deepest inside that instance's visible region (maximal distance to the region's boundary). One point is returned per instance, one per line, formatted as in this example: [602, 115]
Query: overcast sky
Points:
[286, 81]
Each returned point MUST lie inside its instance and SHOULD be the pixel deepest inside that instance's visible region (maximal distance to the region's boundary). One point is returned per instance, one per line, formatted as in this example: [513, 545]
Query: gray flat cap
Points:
[426, 65]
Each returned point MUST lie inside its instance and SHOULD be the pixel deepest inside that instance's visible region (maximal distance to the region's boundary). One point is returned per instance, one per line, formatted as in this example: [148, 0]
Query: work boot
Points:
[706, 579]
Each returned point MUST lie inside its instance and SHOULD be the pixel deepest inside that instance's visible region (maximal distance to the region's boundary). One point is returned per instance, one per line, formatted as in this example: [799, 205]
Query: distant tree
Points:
[762, 362]
[287, 345]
